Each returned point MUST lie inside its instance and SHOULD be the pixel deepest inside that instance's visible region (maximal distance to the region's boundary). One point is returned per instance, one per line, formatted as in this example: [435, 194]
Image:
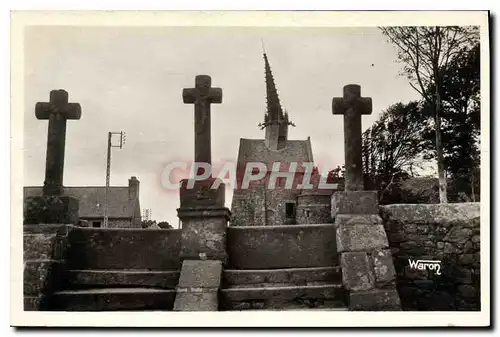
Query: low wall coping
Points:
[281, 227]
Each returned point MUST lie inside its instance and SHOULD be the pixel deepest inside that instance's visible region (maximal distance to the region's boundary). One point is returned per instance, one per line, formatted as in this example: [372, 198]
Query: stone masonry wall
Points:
[314, 209]
[259, 206]
[449, 233]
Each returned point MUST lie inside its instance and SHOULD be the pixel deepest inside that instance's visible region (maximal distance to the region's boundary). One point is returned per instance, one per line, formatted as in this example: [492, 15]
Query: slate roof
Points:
[255, 150]
[91, 200]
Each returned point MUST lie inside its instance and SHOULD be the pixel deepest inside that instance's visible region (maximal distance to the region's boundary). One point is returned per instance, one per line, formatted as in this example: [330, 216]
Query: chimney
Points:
[133, 188]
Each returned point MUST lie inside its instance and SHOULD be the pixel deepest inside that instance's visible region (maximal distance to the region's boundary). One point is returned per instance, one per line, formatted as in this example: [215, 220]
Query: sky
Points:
[131, 80]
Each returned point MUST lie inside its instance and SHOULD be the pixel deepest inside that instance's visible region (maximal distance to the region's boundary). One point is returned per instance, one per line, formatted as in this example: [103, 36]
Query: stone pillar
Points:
[203, 245]
[368, 272]
[202, 213]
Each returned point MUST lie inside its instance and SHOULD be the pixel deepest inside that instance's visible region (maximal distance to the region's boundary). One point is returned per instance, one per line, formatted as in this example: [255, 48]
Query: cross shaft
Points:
[202, 96]
[352, 106]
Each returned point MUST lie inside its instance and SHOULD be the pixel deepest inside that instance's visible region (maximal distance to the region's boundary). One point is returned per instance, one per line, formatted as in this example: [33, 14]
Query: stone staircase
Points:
[317, 288]
[101, 290]
[118, 270]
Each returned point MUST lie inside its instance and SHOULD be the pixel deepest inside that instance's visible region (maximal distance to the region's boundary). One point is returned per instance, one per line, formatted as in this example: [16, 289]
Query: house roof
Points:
[91, 200]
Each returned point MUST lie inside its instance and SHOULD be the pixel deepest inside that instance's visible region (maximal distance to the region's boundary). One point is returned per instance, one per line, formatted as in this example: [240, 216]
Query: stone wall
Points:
[109, 248]
[445, 232]
[44, 251]
[282, 246]
[259, 206]
[314, 209]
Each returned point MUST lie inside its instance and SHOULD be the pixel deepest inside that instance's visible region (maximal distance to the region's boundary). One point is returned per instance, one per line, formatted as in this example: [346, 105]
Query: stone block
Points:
[458, 235]
[383, 266]
[204, 234]
[51, 210]
[468, 247]
[375, 300]
[467, 291]
[466, 259]
[200, 274]
[198, 286]
[202, 194]
[355, 202]
[196, 301]
[361, 238]
[41, 276]
[35, 303]
[357, 272]
[39, 246]
[449, 248]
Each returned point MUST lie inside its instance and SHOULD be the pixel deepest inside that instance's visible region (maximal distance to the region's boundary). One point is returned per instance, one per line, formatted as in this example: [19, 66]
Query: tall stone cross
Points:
[352, 106]
[57, 111]
[202, 95]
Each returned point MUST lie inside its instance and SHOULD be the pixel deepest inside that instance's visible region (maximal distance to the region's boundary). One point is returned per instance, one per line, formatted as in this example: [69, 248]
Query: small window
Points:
[307, 213]
[290, 209]
[96, 224]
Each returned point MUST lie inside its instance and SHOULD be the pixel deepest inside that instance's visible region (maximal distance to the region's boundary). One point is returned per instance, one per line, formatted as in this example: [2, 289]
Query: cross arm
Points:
[215, 95]
[363, 105]
[70, 110]
[338, 106]
[190, 95]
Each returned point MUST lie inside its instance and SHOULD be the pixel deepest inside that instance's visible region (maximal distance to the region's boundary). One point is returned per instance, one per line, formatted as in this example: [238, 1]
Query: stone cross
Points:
[202, 95]
[352, 106]
[57, 111]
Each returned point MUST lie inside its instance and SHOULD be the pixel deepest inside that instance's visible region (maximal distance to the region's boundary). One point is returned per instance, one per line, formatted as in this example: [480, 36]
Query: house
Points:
[124, 210]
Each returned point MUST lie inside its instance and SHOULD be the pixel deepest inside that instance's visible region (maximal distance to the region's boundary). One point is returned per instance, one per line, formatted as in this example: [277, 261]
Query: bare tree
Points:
[426, 53]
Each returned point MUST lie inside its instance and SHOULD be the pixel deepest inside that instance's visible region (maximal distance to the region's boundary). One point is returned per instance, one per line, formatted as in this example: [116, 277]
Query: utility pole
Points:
[146, 214]
[108, 170]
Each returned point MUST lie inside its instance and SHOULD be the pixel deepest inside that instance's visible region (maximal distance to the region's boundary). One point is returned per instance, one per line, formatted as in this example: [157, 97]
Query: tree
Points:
[148, 223]
[461, 116]
[460, 123]
[164, 225]
[426, 53]
[392, 145]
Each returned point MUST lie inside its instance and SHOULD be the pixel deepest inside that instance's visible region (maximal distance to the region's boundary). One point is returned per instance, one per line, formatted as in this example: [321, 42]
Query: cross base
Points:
[204, 233]
[51, 210]
[201, 194]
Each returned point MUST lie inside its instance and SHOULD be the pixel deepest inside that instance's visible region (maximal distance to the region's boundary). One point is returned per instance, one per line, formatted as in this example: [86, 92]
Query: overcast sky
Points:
[131, 79]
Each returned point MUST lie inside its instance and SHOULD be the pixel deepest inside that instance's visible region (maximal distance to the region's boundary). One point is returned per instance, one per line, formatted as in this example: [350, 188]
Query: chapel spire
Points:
[276, 121]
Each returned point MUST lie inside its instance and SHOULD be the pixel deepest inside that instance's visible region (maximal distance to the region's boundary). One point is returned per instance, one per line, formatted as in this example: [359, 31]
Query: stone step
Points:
[283, 297]
[319, 290]
[293, 276]
[78, 279]
[113, 299]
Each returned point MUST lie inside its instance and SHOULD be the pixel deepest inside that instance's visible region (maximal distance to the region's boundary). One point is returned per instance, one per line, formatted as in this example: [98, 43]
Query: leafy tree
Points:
[426, 53]
[148, 223]
[392, 145]
[164, 225]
